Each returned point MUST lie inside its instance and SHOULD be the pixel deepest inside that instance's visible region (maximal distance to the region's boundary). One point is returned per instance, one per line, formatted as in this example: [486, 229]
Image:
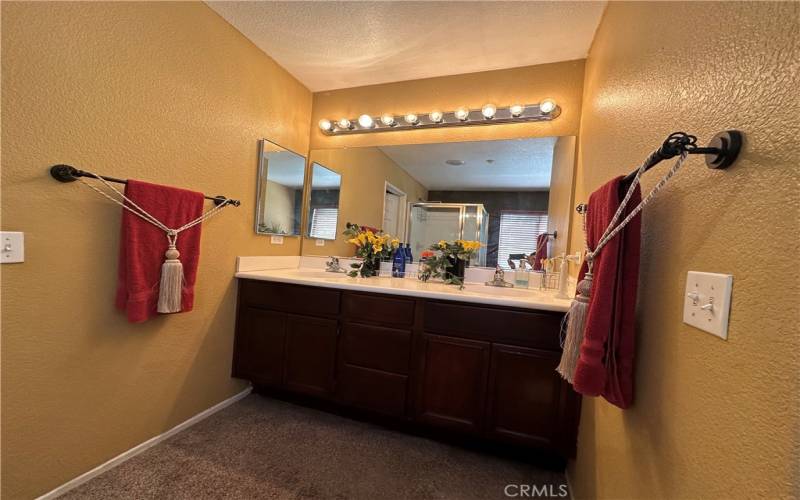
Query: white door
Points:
[391, 209]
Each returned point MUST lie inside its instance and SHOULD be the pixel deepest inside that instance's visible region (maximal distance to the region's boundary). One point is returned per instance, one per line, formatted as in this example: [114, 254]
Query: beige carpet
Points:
[264, 448]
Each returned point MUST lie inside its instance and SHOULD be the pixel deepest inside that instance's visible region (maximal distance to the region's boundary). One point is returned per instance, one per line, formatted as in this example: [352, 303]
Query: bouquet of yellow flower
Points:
[372, 245]
[449, 261]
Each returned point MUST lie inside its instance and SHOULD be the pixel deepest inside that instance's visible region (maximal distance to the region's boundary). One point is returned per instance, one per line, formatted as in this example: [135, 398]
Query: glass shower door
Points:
[431, 222]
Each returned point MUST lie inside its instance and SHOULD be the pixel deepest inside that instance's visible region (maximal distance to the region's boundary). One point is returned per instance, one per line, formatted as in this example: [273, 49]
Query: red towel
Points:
[142, 247]
[541, 251]
[605, 366]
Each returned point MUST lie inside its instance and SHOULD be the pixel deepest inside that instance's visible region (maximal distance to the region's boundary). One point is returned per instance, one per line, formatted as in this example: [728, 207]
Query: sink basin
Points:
[501, 292]
[317, 274]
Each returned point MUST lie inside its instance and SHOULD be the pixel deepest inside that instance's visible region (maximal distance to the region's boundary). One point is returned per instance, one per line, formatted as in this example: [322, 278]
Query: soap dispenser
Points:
[521, 275]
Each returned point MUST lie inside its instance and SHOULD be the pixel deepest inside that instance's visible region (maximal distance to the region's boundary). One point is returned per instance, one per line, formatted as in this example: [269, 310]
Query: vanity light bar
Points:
[489, 114]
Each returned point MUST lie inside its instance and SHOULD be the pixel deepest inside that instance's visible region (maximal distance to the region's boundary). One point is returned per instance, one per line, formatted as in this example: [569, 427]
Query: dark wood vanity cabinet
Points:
[473, 370]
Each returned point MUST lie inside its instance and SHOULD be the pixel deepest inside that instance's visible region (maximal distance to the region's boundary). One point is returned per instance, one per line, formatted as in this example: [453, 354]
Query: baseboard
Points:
[126, 455]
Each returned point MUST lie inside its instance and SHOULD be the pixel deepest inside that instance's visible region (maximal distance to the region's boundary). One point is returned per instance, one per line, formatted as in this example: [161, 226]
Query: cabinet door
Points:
[260, 342]
[310, 354]
[524, 395]
[453, 383]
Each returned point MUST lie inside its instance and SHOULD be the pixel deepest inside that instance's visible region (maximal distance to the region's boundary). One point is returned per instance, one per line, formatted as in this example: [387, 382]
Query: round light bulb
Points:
[488, 111]
[462, 114]
[436, 116]
[344, 123]
[325, 125]
[516, 110]
[388, 120]
[547, 106]
[366, 121]
[411, 119]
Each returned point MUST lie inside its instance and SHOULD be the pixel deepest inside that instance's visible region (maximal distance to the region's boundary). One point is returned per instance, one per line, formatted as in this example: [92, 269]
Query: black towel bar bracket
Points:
[721, 152]
[68, 173]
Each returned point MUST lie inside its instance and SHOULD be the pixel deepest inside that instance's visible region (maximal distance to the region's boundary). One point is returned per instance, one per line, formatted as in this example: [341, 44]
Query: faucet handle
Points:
[499, 274]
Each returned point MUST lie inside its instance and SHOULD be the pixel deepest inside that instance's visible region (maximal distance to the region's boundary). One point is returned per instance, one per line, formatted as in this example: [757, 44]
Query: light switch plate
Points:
[707, 302]
[276, 239]
[320, 243]
[12, 247]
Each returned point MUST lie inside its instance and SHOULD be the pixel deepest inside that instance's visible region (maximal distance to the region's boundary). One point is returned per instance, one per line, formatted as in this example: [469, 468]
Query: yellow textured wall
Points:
[561, 81]
[164, 92]
[711, 419]
[364, 173]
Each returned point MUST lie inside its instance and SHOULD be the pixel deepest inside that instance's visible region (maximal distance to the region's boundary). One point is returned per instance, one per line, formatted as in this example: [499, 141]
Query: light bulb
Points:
[411, 119]
[462, 114]
[388, 120]
[516, 110]
[547, 106]
[325, 125]
[344, 123]
[435, 116]
[488, 111]
[366, 121]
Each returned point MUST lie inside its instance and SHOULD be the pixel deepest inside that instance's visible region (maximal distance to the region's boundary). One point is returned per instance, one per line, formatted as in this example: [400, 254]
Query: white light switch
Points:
[707, 302]
[276, 239]
[320, 243]
[12, 247]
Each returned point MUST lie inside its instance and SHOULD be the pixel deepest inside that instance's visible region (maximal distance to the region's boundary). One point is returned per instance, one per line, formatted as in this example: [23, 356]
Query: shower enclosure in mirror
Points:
[279, 200]
[431, 222]
[323, 206]
[505, 194]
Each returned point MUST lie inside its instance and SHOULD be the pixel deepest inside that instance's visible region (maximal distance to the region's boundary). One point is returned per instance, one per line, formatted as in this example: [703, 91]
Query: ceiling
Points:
[331, 45]
[286, 168]
[520, 164]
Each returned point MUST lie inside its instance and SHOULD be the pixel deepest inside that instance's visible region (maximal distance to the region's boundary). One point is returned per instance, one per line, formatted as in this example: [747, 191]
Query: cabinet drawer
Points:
[379, 309]
[377, 347]
[290, 298]
[373, 390]
[530, 329]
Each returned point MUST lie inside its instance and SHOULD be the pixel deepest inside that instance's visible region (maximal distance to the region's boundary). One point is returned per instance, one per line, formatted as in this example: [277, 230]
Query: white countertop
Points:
[472, 292]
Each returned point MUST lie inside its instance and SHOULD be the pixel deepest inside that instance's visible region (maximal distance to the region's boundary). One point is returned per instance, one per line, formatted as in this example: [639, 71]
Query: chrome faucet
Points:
[332, 266]
[499, 279]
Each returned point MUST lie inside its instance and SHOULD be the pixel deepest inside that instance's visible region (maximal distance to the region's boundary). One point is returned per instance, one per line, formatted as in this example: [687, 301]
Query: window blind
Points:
[323, 223]
[518, 233]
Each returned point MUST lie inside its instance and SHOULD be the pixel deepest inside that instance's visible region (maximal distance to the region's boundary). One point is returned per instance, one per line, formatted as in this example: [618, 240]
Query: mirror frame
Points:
[307, 229]
[259, 200]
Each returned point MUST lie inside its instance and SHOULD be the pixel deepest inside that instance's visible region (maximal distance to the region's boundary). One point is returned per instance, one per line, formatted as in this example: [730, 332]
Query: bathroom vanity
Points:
[470, 363]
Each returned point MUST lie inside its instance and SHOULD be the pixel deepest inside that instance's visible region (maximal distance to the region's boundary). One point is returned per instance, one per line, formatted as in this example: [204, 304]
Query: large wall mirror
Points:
[514, 196]
[279, 201]
[323, 203]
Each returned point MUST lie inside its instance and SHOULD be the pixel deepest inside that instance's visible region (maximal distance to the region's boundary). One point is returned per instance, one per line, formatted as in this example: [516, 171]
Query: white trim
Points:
[401, 206]
[124, 456]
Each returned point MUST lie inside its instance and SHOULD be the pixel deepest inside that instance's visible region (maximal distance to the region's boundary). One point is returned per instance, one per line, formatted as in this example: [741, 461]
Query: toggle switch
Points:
[707, 302]
[13, 247]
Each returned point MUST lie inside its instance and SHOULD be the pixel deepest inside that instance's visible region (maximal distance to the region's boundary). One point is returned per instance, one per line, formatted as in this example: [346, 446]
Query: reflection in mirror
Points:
[506, 194]
[281, 175]
[323, 210]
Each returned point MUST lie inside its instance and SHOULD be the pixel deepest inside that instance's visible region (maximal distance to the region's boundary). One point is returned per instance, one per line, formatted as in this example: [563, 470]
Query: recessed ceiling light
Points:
[455, 163]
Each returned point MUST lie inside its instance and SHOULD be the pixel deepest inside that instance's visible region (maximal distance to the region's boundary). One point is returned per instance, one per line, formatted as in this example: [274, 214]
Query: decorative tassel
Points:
[169, 292]
[575, 322]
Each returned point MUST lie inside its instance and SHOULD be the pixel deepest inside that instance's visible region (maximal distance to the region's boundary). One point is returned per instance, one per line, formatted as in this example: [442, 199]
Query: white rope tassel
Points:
[171, 287]
[574, 323]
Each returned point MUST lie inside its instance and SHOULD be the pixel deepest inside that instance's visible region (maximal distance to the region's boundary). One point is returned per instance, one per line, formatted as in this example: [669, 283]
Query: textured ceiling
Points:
[521, 164]
[331, 45]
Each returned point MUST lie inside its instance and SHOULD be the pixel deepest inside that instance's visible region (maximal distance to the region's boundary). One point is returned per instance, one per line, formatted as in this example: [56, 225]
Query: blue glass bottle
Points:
[409, 257]
[399, 262]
